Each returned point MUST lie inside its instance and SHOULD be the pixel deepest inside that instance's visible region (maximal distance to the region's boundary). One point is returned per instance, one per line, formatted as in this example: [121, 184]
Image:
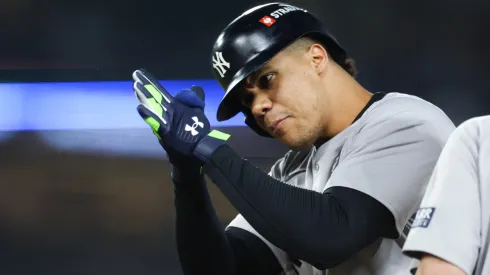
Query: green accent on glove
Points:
[154, 92]
[219, 135]
[155, 106]
[154, 124]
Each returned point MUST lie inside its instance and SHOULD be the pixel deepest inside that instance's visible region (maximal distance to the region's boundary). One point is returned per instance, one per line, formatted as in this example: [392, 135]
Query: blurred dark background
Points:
[72, 210]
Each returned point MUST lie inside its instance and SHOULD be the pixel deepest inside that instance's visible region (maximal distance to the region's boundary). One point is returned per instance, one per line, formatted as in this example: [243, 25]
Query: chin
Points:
[296, 143]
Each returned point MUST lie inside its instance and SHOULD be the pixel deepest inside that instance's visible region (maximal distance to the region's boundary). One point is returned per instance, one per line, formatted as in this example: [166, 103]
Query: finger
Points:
[147, 99]
[157, 123]
[140, 95]
[199, 92]
[151, 84]
[147, 84]
[189, 98]
[147, 112]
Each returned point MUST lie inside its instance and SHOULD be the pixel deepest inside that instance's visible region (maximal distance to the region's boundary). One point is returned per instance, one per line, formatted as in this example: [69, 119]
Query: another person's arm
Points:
[432, 265]
[445, 234]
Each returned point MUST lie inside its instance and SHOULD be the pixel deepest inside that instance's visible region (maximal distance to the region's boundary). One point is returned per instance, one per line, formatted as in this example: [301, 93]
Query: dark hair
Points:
[349, 65]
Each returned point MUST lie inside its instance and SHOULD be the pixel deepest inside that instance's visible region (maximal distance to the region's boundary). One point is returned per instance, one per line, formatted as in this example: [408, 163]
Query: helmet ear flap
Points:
[252, 123]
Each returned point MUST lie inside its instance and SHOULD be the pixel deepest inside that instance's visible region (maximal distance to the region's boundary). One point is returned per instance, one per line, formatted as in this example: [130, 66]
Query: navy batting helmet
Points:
[255, 37]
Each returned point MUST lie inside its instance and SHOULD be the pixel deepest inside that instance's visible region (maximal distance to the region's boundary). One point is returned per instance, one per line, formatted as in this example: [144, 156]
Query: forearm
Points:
[201, 242]
[322, 229]
[431, 265]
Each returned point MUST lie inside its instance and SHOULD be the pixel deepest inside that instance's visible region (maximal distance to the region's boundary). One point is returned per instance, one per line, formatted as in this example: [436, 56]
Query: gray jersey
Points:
[452, 222]
[388, 153]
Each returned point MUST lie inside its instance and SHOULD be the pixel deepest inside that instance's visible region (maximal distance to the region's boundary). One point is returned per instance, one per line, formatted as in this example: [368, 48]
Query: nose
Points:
[261, 105]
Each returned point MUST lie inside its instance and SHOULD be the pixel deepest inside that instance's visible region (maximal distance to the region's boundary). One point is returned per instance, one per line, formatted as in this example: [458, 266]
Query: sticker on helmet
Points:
[267, 20]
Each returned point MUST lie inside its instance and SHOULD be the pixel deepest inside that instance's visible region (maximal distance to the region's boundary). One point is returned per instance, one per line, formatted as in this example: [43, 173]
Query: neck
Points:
[347, 99]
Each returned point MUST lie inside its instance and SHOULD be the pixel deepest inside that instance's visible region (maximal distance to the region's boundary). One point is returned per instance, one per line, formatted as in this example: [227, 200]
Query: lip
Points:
[277, 125]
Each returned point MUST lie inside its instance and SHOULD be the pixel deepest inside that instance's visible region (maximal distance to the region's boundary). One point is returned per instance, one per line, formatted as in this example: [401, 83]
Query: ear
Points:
[319, 58]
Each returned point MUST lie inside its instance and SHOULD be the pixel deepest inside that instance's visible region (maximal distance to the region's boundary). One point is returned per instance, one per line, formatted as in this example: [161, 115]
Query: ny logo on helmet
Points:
[219, 63]
[192, 128]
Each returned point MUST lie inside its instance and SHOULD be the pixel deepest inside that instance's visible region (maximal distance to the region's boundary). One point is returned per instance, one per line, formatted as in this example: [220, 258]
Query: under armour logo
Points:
[219, 63]
[192, 128]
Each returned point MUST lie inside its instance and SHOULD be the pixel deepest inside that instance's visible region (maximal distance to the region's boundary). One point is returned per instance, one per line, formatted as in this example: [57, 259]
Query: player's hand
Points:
[178, 122]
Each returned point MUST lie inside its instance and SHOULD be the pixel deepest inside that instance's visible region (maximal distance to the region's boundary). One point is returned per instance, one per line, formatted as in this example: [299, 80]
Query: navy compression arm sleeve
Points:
[322, 229]
[203, 246]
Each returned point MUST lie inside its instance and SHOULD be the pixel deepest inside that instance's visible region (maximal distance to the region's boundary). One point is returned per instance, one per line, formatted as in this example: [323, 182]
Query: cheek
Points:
[298, 95]
[294, 96]
[303, 103]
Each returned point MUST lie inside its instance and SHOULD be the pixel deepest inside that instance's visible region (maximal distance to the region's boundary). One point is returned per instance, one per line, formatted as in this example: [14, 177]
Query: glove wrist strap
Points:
[209, 144]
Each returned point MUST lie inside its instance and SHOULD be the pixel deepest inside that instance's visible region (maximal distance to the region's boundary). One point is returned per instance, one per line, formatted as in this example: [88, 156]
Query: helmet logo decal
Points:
[284, 10]
[267, 20]
[219, 63]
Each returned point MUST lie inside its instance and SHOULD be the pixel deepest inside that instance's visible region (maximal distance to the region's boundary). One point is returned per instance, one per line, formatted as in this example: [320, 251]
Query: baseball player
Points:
[339, 200]
[451, 229]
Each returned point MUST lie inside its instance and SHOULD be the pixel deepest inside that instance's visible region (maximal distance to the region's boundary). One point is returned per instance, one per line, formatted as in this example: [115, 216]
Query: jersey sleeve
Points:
[447, 225]
[240, 222]
[282, 257]
[391, 159]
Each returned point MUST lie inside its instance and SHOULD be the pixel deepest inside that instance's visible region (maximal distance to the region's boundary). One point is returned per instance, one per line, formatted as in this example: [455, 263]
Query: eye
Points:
[247, 99]
[264, 81]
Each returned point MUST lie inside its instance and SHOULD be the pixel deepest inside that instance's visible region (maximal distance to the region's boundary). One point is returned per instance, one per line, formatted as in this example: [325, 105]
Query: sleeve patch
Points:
[423, 217]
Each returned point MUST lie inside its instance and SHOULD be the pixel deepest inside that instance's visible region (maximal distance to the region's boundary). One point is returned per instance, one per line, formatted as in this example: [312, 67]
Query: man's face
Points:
[287, 99]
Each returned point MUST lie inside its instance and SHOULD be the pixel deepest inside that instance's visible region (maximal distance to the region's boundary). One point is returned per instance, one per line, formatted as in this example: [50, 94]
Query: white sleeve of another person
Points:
[447, 225]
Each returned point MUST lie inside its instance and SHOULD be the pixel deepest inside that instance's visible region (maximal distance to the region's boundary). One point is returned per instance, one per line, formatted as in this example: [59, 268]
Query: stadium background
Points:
[84, 186]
